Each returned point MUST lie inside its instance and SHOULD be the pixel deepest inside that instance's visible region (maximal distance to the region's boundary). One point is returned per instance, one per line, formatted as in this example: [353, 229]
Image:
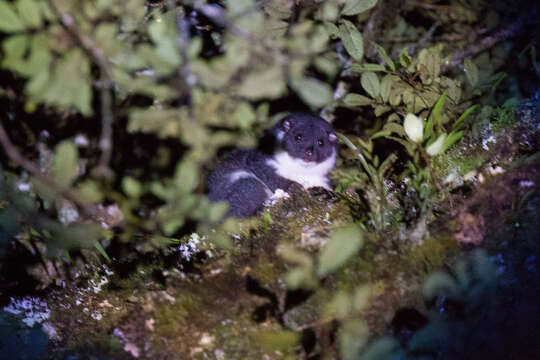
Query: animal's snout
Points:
[308, 154]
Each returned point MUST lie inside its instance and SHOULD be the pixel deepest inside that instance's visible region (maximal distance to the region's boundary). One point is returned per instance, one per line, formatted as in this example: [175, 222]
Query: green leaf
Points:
[29, 12]
[435, 118]
[297, 278]
[353, 335]
[244, 115]
[282, 340]
[102, 251]
[314, 92]
[471, 71]
[498, 78]
[379, 134]
[386, 86]
[357, 100]
[452, 138]
[367, 67]
[361, 297]
[440, 284]
[339, 307]
[409, 145]
[342, 245]
[69, 84]
[40, 57]
[464, 116]
[280, 9]
[429, 65]
[384, 56]
[9, 20]
[394, 128]
[217, 211]
[186, 176]
[352, 39]
[90, 191]
[65, 167]
[404, 58]
[269, 83]
[332, 29]
[131, 187]
[381, 109]
[370, 83]
[327, 65]
[355, 7]
[290, 254]
[15, 48]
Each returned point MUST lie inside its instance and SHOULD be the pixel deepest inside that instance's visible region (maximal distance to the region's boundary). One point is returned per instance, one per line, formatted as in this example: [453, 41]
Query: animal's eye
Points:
[320, 142]
[298, 137]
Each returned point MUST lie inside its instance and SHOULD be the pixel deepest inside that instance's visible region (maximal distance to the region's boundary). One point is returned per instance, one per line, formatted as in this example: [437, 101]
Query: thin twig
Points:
[106, 81]
[106, 139]
[429, 6]
[35, 171]
[424, 39]
[489, 41]
[217, 15]
[373, 25]
[182, 26]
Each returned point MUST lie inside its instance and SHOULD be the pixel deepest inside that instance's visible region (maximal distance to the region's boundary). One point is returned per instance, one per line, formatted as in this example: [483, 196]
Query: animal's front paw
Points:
[278, 194]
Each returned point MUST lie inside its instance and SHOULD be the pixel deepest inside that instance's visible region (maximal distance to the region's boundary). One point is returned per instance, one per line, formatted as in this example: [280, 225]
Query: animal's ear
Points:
[332, 137]
[286, 125]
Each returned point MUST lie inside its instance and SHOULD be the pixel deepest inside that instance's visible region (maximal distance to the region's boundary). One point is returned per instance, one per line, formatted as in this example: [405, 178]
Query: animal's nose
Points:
[309, 151]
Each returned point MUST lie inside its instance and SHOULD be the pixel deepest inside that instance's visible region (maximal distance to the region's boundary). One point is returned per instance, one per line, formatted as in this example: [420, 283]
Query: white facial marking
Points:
[307, 174]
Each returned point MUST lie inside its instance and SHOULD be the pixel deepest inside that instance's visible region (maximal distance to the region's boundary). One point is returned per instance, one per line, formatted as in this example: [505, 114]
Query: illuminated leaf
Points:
[352, 39]
[186, 177]
[9, 20]
[435, 117]
[90, 191]
[386, 86]
[367, 67]
[370, 83]
[452, 138]
[65, 167]
[131, 187]
[269, 83]
[353, 335]
[384, 56]
[429, 65]
[341, 246]
[29, 12]
[314, 92]
[244, 115]
[278, 340]
[355, 7]
[357, 100]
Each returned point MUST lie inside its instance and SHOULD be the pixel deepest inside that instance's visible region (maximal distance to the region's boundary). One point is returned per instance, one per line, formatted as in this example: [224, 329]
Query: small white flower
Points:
[436, 147]
[414, 127]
